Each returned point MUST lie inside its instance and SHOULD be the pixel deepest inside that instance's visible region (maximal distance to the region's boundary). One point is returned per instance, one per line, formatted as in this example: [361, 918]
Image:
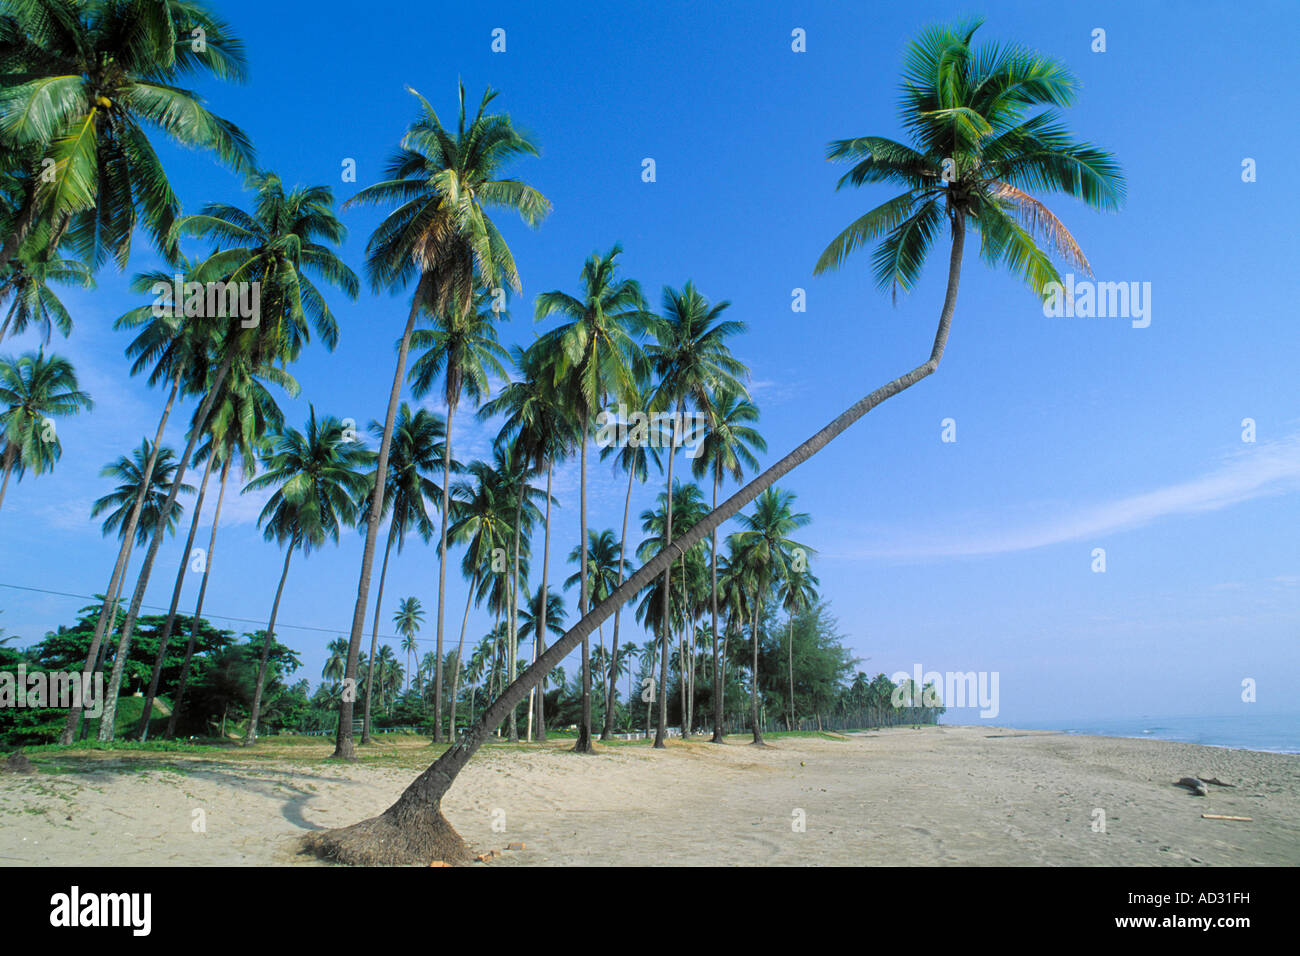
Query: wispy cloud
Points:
[1257, 471]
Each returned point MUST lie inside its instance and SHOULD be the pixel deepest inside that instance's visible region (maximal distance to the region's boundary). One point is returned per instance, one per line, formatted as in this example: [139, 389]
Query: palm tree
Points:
[691, 360]
[764, 546]
[596, 356]
[317, 478]
[441, 235]
[538, 430]
[130, 472]
[407, 619]
[87, 80]
[336, 660]
[34, 389]
[796, 592]
[418, 447]
[275, 246]
[27, 280]
[726, 451]
[602, 554]
[634, 457]
[995, 86]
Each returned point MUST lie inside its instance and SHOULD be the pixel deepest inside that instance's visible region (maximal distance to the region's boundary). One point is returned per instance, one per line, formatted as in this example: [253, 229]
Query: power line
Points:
[224, 617]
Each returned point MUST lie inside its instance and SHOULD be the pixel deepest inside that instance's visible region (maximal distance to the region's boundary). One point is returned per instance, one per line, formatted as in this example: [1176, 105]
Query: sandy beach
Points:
[965, 796]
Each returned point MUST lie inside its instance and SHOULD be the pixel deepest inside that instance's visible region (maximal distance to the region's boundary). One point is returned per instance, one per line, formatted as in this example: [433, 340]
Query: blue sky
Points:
[1072, 433]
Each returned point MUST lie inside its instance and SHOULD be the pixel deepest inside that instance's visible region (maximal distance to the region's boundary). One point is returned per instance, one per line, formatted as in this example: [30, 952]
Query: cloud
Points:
[1265, 469]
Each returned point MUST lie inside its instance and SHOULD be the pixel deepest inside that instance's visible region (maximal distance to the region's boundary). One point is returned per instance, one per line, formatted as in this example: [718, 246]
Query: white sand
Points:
[939, 795]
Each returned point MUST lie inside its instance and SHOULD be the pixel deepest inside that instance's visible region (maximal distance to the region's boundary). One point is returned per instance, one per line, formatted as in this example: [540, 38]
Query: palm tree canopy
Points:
[129, 472]
[978, 153]
[34, 389]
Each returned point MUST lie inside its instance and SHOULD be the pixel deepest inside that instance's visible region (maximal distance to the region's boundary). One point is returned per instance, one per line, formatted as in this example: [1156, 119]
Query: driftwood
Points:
[1220, 816]
[1198, 785]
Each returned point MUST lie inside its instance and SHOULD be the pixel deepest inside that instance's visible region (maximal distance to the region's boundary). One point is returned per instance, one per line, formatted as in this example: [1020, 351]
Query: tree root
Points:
[398, 837]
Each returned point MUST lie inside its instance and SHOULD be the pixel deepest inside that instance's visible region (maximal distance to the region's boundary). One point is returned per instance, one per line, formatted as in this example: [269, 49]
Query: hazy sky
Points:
[1072, 433]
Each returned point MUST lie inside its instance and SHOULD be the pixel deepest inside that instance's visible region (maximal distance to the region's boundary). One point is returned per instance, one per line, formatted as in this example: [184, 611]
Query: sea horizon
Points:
[1265, 733]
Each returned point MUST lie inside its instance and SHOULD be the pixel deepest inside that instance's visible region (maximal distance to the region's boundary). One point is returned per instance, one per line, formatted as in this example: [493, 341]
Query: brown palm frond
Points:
[1041, 222]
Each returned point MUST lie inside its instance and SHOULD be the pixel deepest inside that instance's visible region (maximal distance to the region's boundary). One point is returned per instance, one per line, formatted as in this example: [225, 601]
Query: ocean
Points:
[1275, 733]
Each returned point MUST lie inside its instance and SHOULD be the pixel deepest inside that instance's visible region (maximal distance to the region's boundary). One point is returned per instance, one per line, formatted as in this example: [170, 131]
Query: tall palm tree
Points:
[87, 81]
[25, 284]
[993, 89]
[634, 456]
[33, 390]
[726, 451]
[597, 356]
[276, 245]
[440, 234]
[601, 571]
[336, 660]
[418, 447]
[407, 619]
[317, 476]
[797, 591]
[766, 548]
[130, 472]
[691, 360]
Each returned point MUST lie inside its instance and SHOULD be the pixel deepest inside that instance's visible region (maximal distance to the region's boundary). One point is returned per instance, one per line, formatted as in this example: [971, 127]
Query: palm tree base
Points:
[343, 750]
[717, 739]
[410, 836]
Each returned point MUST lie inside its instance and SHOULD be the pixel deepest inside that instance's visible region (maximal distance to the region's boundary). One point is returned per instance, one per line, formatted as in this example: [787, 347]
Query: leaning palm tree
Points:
[440, 235]
[596, 356]
[85, 82]
[316, 475]
[692, 361]
[767, 550]
[951, 93]
[796, 593]
[418, 447]
[407, 619]
[33, 390]
[726, 451]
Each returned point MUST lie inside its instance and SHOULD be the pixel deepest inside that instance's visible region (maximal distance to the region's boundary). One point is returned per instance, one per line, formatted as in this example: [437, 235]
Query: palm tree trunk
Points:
[343, 747]
[109, 610]
[608, 731]
[166, 637]
[583, 745]
[198, 607]
[681, 662]
[106, 722]
[790, 636]
[539, 638]
[11, 453]
[719, 687]
[374, 632]
[251, 737]
[666, 631]
[460, 648]
[442, 573]
[417, 812]
[20, 230]
[753, 696]
[514, 606]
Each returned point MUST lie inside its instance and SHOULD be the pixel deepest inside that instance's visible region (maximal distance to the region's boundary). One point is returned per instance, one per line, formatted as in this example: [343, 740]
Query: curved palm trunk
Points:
[343, 747]
[442, 575]
[414, 823]
[539, 639]
[608, 730]
[460, 649]
[166, 637]
[20, 230]
[583, 745]
[374, 632]
[11, 453]
[109, 610]
[251, 736]
[665, 628]
[106, 723]
[183, 683]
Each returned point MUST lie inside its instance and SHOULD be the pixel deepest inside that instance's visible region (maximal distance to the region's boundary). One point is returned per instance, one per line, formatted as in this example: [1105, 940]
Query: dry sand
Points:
[938, 795]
